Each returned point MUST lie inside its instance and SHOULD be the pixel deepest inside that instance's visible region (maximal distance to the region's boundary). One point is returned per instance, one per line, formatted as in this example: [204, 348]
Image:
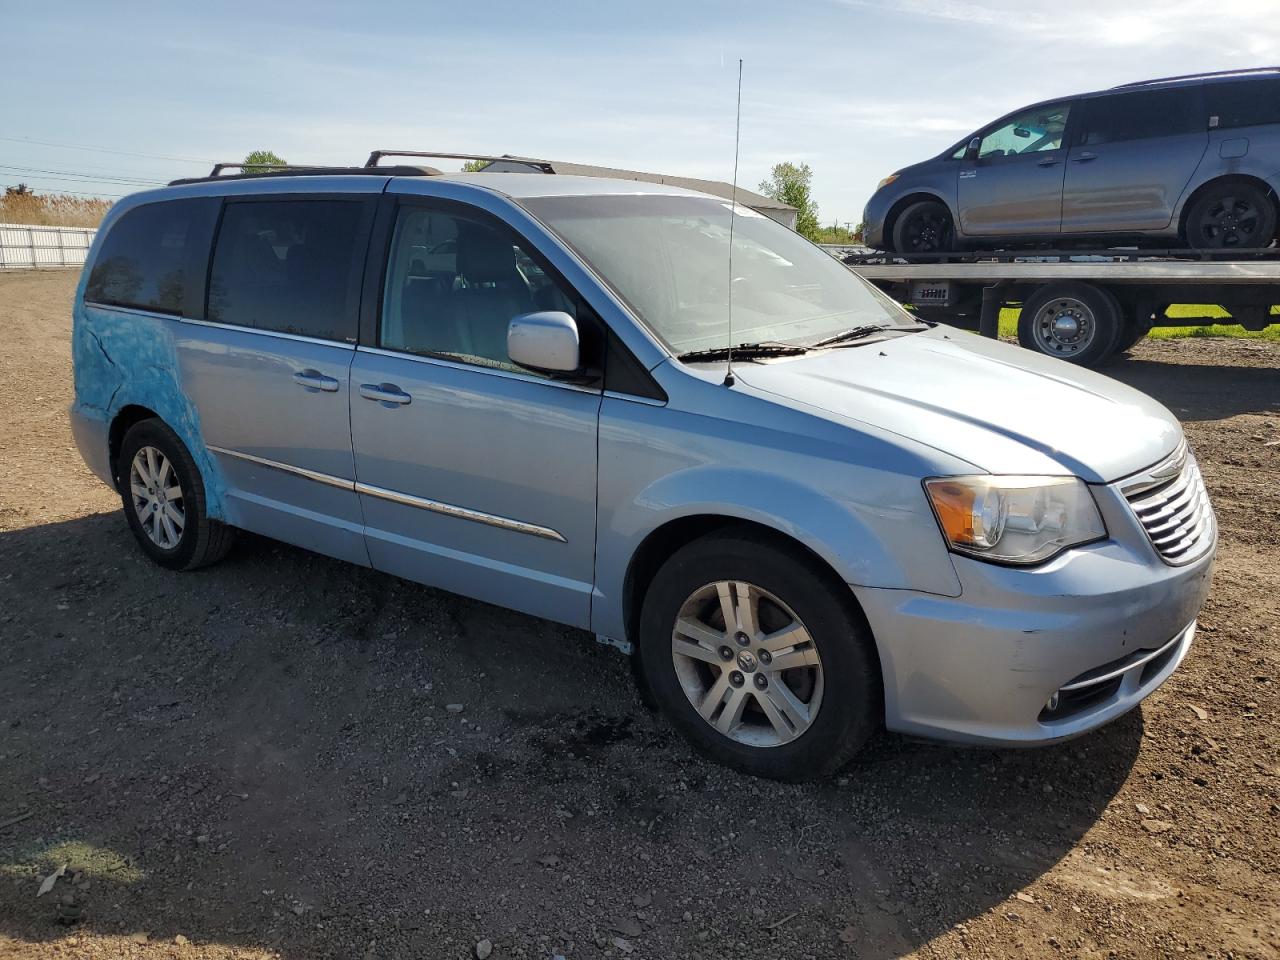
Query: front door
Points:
[1132, 156]
[1013, 185]
[268, 367]
[474, 475]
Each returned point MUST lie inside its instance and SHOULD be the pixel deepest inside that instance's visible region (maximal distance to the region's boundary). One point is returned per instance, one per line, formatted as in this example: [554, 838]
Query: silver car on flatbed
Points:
[514, 387]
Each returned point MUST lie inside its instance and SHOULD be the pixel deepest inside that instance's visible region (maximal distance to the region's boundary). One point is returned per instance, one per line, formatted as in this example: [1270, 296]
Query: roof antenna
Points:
[733, 212]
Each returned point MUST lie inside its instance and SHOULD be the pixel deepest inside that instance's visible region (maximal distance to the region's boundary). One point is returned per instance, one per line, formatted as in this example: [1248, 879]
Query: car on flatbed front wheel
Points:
[514, 387]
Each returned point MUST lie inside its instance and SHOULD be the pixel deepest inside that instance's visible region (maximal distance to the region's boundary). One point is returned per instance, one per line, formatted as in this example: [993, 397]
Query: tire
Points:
[151, 458]
[835, 678]
[1231, 216]
[924, 227]
[1131, 332]
[1076, 322]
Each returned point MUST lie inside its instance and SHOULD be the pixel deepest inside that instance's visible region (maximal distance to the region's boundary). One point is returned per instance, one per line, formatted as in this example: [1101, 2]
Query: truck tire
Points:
[1073, 321]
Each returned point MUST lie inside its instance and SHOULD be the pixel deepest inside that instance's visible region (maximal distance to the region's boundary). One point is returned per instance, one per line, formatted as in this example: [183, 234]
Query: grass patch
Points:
[1009, 324]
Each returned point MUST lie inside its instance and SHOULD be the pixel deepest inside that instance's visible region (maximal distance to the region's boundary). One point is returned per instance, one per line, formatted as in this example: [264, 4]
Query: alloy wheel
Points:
[1230, 222]
[158, 500]
[747, 663]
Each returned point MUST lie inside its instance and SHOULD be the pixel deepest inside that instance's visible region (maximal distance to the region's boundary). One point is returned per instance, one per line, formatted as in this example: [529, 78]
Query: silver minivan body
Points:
[539, 493]
[1116, 164]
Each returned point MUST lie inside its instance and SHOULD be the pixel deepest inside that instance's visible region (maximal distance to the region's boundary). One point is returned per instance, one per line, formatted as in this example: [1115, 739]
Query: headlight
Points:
[887, 180]
[1014, 519]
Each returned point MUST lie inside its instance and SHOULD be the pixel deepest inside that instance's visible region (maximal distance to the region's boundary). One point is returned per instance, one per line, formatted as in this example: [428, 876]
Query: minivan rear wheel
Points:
[758, 658]
[164, 499]
[924, 227]
[1076, 322]
[1231, 216]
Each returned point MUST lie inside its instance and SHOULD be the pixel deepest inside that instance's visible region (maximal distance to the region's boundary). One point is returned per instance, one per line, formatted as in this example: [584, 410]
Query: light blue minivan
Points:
[517, 387]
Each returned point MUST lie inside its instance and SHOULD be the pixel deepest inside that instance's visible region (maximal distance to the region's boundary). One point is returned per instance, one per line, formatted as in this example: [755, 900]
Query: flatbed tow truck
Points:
[1085, 305]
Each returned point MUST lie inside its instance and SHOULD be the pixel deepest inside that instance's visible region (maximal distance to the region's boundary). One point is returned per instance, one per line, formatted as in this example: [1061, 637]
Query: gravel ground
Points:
[285, 756]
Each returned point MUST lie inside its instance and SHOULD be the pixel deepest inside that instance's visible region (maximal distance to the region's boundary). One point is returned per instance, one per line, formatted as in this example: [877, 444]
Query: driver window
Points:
[453, 285]
[1034, 131]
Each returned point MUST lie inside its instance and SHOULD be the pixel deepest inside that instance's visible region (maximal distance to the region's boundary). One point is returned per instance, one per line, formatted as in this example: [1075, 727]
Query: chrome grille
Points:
[1172, 505]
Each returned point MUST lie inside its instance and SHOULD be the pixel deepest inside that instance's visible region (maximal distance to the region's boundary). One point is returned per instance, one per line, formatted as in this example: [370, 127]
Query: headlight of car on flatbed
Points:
[1020, 520]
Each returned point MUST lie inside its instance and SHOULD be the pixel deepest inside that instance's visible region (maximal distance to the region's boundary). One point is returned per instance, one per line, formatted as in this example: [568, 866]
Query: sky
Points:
[854, 88]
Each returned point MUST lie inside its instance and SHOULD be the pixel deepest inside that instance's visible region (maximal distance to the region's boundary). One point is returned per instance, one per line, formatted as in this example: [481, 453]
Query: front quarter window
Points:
[667, 257]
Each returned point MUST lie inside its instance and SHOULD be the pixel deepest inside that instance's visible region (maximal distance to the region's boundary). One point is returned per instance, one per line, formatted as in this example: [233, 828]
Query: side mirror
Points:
[974, 146]
[546, 341]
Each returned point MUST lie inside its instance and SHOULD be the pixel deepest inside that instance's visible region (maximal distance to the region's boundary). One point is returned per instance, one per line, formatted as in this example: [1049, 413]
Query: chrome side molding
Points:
[408, 500]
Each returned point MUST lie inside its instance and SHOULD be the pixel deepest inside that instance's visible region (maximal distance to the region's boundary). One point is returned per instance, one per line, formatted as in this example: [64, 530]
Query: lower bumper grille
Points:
[1102, 683]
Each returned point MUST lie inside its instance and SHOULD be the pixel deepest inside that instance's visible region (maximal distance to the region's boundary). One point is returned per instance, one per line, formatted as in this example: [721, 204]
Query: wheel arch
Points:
[674, 534]
[915, 196]
[125, 418]
[1247, 178]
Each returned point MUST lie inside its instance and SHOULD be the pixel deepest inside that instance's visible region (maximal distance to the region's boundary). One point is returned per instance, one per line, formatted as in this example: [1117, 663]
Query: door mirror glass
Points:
[546, 341]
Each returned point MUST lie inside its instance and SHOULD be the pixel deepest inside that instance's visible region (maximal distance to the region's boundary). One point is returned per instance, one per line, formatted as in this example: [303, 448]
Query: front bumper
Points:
[1108, 622]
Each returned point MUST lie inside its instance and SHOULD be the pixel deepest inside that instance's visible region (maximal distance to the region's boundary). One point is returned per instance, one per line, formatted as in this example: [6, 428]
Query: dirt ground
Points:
[257, 760]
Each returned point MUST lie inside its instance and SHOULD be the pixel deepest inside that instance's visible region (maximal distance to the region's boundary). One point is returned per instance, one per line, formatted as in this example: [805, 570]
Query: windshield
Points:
[668, 258]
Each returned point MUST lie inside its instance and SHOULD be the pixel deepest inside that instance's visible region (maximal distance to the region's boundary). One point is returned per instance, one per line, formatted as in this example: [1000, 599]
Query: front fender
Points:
[868, 521]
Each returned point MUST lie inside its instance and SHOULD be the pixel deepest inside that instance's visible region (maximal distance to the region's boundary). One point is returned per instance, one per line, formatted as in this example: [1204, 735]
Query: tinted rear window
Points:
[150, 254]
[1243, 103]
[289, 265]
[1137, 116]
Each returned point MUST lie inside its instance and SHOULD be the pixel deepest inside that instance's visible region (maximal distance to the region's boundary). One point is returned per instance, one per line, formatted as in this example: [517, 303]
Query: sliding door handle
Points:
[1084, 158]
[315, 380]
[388, 394]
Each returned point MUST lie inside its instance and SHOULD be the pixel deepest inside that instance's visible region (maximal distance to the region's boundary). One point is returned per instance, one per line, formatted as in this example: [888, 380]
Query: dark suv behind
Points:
[1185, 160]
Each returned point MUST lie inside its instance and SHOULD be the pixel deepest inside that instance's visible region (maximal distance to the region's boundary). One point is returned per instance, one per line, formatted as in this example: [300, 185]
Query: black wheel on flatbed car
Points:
[1233, 215]
[924, 227]
[164, 499]
[1076, 322]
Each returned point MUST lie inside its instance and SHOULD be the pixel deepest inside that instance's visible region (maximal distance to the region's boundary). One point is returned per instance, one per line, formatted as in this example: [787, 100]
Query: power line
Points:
[122, 153]
[73, 175]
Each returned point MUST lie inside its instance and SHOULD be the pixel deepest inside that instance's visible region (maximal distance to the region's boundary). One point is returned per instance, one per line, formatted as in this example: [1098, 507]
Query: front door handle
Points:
[1084, 158]
[1047, 162]
[388, 394]
[315, 380]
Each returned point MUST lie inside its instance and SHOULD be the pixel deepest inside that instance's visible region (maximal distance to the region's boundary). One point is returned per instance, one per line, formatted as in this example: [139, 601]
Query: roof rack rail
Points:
[289, 170]
[543, 165]
[1199, 76]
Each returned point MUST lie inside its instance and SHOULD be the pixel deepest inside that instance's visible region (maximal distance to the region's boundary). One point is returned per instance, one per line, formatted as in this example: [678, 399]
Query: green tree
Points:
[792, 185]
[260, 161]
[474, 166]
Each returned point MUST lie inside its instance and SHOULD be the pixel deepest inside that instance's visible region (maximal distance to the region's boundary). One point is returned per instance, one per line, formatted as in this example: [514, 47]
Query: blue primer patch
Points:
[122, 359]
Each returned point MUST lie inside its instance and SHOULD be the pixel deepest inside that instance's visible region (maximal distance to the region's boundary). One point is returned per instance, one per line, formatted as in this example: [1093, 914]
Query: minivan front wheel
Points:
[164, 499]
[1231, 216]
[924, 227]
[758, 658]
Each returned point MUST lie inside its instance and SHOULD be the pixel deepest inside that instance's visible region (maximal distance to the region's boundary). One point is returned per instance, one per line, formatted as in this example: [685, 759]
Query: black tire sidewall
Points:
[154, 433]
[915, 210]
[1211, 196]
[1107, 314]
[852, 701]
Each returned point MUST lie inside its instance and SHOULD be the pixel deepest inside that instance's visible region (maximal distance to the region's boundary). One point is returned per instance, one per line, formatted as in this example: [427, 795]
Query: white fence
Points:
[23, 246]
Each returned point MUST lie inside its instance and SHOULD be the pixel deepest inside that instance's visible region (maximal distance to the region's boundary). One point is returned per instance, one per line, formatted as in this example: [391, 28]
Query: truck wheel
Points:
[759, 657]
[924, 227]
[1231, 215]
[164, 500]
[1075, 322]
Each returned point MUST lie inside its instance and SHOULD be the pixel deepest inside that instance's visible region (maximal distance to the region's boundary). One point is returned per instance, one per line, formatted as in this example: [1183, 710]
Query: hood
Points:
[1002, 408]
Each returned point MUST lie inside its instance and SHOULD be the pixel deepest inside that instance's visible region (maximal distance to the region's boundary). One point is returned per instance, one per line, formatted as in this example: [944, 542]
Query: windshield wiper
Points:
[745, 351]
[854, 333]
